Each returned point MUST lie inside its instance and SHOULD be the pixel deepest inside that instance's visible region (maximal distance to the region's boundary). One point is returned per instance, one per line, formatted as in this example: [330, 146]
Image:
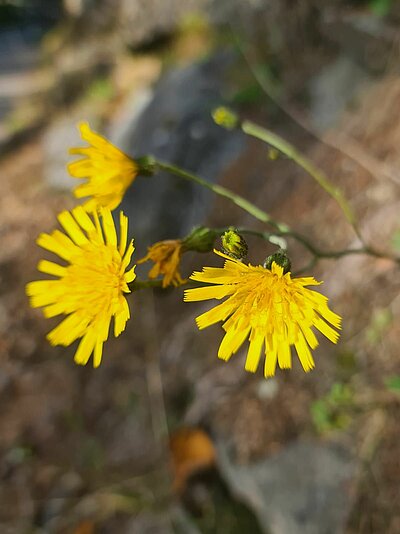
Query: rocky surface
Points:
[306, 488]
[176, 126]
[19, 56]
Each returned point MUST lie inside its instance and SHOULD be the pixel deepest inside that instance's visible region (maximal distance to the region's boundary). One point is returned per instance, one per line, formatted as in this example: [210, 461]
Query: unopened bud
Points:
[280, 258]
[225, 117]
[146, 165]
[234, 244]
[273, 153]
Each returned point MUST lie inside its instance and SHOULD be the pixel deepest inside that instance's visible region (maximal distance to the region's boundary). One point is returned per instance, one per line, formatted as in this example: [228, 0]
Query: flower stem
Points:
[252, 209]
[274, 140]
[315, 251]
[144, 284]
[282, 229]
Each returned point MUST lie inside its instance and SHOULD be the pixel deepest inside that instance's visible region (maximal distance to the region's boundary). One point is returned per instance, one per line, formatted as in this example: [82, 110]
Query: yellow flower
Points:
[166, 256]
[268, 307]
[109, 172]
[90, 289]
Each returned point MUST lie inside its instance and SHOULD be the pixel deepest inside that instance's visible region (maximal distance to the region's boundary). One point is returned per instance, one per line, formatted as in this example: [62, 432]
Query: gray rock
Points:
[304, 489]
[60, 135]
[174, 521]
[182, 521]
[138, 22]
[19, 55]
[176, 126]
[142, 21]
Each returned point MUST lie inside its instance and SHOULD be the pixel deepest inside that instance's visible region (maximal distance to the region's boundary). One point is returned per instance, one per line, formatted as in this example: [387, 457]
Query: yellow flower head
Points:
[166, 256]
[90, 288]
[268, 307]
[109, 172]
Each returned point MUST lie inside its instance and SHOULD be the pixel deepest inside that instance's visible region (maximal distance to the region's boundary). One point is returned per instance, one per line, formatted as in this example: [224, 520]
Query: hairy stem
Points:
[251, 208]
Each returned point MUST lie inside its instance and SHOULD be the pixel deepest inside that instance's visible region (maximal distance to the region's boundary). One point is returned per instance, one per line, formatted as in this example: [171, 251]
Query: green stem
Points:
[315, 251]
[136, 285]
[274, 140]
[253, 210]
[283, 230]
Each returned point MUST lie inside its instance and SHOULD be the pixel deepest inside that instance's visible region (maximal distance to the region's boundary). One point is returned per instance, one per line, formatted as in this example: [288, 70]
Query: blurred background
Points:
[163, 437]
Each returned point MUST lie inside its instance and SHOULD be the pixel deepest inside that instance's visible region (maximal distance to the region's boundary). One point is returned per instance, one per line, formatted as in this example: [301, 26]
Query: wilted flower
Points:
[270, 308]
[90, 289]
[166, 256]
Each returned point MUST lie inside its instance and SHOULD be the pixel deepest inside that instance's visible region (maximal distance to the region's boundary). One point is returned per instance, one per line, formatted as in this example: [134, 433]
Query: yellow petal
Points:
[109, 227]
[84, 220]
[85, 348]
[304, 354]
[216, 314]
[98, 353]
[284, 354]
[49, 267]
[328, 332]
[271, 356]
[57, 243]
[123, 224]
[71, 227]
[254, 352]
[206, 293]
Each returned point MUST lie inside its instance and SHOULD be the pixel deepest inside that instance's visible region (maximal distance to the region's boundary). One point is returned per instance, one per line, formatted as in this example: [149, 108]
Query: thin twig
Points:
[153, 374]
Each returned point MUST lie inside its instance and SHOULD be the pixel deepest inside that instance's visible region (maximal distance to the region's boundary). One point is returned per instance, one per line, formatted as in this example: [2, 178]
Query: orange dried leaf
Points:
[85, 527]
[192, 451]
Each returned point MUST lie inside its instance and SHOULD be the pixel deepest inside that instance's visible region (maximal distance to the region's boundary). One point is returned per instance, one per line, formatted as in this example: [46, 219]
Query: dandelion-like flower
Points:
[268, 307]
[90, 288]
[166, 256]
[108, 170]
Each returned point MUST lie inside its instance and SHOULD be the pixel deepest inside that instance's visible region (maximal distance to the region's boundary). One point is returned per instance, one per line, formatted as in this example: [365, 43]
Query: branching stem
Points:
[281, 230]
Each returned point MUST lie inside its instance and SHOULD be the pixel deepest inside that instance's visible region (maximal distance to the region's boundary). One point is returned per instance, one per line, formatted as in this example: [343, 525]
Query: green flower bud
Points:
[225, 117]
[201, 239]
[234, 244]
[280, 258]
[273, 153]
[146, 165]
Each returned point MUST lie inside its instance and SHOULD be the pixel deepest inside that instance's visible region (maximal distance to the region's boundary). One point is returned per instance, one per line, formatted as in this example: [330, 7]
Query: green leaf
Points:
[380, 322]
[380, 8]
[396, 240]
[250, 94]
[333, 411]
[393, 383]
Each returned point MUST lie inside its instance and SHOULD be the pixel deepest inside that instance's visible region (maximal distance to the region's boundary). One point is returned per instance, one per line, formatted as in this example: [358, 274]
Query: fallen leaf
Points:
[192, 451]
[85, 527]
